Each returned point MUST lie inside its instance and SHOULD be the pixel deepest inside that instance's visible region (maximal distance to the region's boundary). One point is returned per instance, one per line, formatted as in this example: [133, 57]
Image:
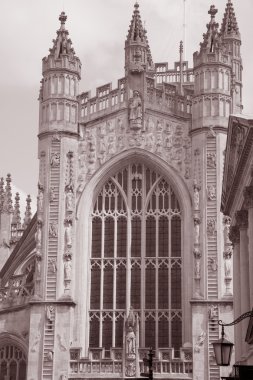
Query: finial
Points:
[28, 213]
[1, 193]
[136, 5]
[181, 47]
[63, 19]
[16, 216]
[7, 204]
[212, 11]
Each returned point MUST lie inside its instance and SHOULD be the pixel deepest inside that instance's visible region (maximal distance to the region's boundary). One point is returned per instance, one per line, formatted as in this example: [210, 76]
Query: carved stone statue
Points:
[67, 269]
[212, 311]
[228, 262]
[196, 230]
[40, 201]
[226, 221]
[55, 159]
[38, 235]
[68, 233]
[130, 342]
[196, 190]
[69, 200]
[53, 229]
[135, 111]
[49, 313]
[211, 193]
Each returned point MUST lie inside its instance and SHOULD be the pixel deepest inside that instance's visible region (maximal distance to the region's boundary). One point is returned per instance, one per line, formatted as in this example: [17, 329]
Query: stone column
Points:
[234, 236]
[248, 196]
[243, 272]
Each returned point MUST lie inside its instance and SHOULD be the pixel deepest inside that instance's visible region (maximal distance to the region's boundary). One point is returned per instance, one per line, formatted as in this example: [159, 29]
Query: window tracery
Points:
[136, 259]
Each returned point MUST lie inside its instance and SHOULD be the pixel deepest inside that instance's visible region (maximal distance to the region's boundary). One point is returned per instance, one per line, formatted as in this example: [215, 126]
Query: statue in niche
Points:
[40, 198]
[213, 264]
[67, 269]
[55, 159]
[196, 230]
[228, 262]
[68, 233]
[52, 194]
[50, 355]
[53, 229]
[62, 343]
[196, 190]
[38, 265]
[69, 199]
[211, 193]
[130, 342]
[226, 221]
[135, 111]
[38, 235]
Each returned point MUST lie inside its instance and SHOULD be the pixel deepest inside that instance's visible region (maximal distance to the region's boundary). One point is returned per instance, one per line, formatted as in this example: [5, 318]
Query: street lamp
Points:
[222, 347]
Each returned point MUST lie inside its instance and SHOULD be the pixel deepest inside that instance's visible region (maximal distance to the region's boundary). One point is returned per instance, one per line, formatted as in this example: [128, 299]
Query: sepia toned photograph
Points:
[126, 190]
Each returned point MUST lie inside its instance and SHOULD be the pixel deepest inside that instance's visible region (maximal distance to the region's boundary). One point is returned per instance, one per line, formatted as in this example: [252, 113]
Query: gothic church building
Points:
[128, 249]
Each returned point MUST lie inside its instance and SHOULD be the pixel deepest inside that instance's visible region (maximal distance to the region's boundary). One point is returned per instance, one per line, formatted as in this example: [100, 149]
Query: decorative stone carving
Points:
[187, 173]
[52, 194]
[55, 160]
[135, 111]
[211, 227]
[130, 369]
[211, 160]
[211, 193]
[53, 229]
[199, 341]
[196, 190]
[211, 133]
[62, 343]
[69, 179]
[196, 230]
[35, 341]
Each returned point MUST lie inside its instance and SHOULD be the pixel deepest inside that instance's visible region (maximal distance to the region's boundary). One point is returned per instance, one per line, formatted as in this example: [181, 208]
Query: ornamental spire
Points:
[229, 26]
[138, 54]
[7, 200]
[211, 37]
[28, 212]
[16, 214]
[62, 44]
[1, 193]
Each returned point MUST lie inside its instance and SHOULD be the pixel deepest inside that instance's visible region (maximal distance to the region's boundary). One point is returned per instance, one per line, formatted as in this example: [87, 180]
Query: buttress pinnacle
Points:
[229, 24]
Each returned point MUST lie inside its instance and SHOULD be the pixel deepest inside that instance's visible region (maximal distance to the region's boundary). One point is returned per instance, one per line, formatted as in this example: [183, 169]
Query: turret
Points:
[61, 74]
[212, 101]
[138, 56]
[231, 39]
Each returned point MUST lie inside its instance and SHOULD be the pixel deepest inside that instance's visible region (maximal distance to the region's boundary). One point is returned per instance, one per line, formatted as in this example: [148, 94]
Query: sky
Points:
[98, 30]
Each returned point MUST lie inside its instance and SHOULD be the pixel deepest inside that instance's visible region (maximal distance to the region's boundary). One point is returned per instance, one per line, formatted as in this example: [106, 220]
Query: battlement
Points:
[164, 74]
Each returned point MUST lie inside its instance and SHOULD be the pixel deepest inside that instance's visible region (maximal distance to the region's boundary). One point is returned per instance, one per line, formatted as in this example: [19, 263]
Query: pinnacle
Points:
[16, 215]
[229, 23]
[28, 213]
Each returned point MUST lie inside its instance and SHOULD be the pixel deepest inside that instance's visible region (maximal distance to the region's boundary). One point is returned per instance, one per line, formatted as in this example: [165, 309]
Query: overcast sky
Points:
[98, 30]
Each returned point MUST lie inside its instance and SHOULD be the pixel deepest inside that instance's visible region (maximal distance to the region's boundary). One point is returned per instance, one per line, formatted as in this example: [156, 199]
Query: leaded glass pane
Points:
[150, 237]
[109, 237]
[96, 237]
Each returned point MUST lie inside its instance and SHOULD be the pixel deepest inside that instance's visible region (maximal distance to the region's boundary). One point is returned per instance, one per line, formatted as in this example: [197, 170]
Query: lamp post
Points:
[222, 347]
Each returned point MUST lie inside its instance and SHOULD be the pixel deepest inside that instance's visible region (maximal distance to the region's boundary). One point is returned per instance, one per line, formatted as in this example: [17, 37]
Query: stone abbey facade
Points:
[128, 249]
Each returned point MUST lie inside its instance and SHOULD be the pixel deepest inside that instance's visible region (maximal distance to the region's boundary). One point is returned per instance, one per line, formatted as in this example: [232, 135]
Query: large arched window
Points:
[12, 362]
[136, 260]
